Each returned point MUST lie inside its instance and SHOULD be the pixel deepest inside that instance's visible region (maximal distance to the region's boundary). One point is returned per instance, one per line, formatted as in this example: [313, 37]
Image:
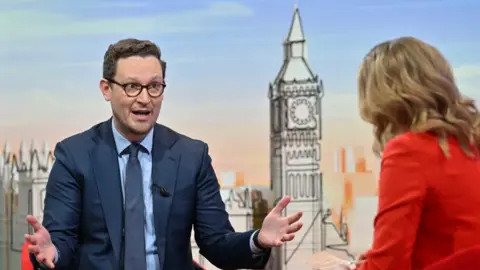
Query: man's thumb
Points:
[34, 223]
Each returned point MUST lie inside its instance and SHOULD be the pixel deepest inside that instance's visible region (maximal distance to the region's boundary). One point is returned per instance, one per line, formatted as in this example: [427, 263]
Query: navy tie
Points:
[135, 254]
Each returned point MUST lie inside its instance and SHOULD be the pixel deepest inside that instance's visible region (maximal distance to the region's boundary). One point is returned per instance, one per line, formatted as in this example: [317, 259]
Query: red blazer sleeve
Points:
[402, 188]
[25, 257]
[465, 259]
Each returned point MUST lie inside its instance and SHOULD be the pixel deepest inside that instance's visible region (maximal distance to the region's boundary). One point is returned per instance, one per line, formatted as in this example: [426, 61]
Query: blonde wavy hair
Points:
[405, 85]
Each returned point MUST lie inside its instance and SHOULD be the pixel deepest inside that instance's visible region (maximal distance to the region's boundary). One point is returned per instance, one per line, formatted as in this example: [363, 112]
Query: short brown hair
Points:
[406, 84]
[126, 48]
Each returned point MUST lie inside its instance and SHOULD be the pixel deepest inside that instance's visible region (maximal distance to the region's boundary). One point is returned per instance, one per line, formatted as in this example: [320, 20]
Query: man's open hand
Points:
[40, 243]
[277, 229]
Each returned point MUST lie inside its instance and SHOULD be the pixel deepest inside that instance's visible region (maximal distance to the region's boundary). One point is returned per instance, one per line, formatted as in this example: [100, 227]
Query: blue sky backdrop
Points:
[234, 44]
[221, 56]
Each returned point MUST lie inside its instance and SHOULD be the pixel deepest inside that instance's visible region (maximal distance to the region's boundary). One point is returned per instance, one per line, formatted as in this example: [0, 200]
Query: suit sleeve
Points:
[214, 234]
[402, 189]
[62, 208]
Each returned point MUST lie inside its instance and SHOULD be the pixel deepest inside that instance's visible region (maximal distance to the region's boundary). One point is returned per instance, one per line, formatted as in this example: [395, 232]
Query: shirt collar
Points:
[122, 142]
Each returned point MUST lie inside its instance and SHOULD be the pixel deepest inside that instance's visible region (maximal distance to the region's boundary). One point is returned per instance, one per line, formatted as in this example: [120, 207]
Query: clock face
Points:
[301, 111]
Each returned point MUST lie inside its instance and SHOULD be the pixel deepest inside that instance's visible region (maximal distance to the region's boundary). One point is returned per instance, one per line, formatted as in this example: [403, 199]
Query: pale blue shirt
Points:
[146, 163]
[145, 159]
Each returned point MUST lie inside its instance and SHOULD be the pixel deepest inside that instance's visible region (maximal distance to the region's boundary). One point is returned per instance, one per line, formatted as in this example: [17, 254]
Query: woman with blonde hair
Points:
[428, 136]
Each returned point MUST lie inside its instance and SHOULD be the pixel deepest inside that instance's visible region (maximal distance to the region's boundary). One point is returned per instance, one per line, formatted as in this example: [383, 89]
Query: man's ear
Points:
[106, 89]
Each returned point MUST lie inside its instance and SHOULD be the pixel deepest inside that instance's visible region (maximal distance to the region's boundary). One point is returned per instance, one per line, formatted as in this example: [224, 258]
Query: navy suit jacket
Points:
[84, 208]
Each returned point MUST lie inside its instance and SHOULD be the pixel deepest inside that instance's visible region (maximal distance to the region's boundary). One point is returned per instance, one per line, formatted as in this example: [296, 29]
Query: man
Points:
[125, 193]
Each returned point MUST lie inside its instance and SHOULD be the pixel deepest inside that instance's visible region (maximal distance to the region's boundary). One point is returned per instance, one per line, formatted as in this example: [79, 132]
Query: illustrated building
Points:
[23, 177]
[246, 205]
[295, 97]
[295, 138]
[360, 200]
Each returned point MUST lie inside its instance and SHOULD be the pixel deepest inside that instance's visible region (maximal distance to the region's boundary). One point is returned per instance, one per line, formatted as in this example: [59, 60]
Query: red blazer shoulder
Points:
[424, 198]
[419, 146]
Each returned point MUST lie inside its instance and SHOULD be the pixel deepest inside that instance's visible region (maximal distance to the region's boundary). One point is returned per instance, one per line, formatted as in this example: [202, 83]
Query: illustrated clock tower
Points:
[295, 135]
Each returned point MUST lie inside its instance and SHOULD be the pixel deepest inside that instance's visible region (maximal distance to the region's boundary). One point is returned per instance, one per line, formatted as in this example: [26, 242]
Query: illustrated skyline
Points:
[221, 56]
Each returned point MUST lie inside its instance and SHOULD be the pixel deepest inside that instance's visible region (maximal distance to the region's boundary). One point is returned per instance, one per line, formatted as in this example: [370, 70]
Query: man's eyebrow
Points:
[157, 78]
[135, 80]
[130, 79]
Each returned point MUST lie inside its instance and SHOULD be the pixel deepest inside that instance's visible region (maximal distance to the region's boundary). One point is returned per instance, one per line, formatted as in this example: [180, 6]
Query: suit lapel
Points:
[107, 176]
[164, 174]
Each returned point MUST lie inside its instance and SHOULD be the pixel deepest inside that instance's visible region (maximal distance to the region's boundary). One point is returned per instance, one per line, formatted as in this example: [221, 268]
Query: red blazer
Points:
[25, 257]
[465, 259]
[429, 205]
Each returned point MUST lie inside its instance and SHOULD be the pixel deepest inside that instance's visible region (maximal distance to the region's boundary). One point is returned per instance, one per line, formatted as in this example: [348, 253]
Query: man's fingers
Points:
[30, 239]
[278, 244]
[43, 260]
[295, 227]
[33, 247]
[288, 237]
[34, 223]
[35, 250]
[282, 204]
[294, 218]
[49, 264]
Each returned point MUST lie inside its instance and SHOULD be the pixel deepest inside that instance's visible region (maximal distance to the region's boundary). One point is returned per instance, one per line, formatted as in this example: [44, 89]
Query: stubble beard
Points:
[128, 131]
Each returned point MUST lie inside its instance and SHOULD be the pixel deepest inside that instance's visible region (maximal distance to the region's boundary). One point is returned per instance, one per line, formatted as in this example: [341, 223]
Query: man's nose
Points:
[144, 97]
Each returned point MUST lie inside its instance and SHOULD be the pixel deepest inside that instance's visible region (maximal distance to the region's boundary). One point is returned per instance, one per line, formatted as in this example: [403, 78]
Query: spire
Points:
[6, 149]
[296, 29]
[45, 148]
[23, 152]
[295, 45]
[33, 145]
[295, 66]
[44, 156]
[2, 167]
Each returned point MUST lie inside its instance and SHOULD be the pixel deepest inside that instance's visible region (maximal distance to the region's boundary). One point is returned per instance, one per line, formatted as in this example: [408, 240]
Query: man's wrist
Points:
[256, 242]
[55, 259]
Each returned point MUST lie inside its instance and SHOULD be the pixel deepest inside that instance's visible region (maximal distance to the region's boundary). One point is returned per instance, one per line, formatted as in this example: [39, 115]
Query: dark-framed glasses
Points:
[154, 89]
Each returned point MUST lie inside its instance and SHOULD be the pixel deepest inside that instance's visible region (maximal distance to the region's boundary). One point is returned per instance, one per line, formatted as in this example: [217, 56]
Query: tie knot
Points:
[133, 149]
